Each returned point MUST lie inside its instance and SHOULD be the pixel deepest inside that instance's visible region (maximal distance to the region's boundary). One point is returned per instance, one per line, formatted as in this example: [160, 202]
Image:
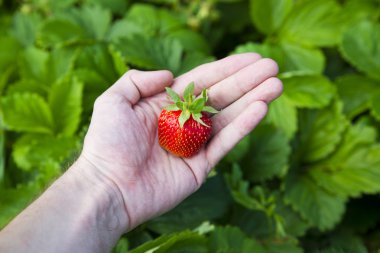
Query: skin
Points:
[123, 177]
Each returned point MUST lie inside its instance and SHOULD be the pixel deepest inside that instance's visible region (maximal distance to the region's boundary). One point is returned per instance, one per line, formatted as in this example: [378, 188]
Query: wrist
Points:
[107, 207]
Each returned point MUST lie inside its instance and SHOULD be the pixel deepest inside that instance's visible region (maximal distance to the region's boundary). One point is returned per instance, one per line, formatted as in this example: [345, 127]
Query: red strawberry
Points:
[183, 127]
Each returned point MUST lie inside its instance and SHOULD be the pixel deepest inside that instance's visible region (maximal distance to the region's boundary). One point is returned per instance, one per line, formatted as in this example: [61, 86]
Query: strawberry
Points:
[184, 126]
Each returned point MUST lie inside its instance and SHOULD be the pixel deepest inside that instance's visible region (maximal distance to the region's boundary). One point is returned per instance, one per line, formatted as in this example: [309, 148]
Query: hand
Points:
[122, 144]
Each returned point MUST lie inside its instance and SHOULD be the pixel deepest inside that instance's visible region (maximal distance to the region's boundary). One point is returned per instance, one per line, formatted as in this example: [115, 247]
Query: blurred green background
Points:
[306, 180]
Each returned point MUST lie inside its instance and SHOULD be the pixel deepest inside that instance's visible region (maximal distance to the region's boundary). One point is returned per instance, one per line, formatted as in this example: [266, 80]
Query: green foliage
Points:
[306, 180]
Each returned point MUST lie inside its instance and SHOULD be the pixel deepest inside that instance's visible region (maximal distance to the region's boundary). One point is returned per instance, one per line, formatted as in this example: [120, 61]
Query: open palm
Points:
[122, 142]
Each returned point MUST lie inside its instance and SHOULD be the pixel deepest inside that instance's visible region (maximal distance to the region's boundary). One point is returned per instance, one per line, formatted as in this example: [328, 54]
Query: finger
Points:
[136, 84]
[267, 91]
[208, 74]
[232, 88]
[229, 136]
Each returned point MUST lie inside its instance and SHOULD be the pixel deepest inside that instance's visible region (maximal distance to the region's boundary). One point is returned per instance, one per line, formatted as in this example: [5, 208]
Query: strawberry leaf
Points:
[185, 115]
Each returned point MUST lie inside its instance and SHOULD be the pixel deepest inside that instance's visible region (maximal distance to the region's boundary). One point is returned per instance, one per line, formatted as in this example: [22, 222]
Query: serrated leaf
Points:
[268, 15]
[190, 40]
[65, 101]
[354, 168]
[268, 154]
[173, 243]
[232, 239]
[100, 58]
[294, 224]
[317, 23]
[118, 61]
[283, 114]
[151, 20]
[360, 46]
[57, 32]
[321, 208]
[94, 20]
[27, 112]
[290, 57]
[25, 27]
[356, 92]
[33, 63]
[320, 132]
[308, 91]
[151, 53]
[32, 151]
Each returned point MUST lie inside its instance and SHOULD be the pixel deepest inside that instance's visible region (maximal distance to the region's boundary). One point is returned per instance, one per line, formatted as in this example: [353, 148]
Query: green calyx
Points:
[190, 105]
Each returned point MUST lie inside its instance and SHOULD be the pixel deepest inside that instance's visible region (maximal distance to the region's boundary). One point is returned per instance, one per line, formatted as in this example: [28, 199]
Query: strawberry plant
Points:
[305, 180]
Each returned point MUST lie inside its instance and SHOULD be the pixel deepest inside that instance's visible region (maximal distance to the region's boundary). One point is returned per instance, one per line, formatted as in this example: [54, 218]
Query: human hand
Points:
[122, 143]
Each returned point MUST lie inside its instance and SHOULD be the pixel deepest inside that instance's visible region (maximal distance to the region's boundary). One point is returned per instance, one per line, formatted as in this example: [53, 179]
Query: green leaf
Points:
[320, 132]
[301, 59]
[118, 61]
[321, 208]
[57, 32]
[121, 246]
[33, 63]
[150, 53]
[185, 241]
[192, 60]
[294, 224]
[360, 46]
[268, 154]
[32, 151]
[290, 57]
[197, 117]
[268, 15]
[10, 49]
[152, 21]
[356, 92]
[283, 114]
[116, 6]
[211, 202]
[183, 117]
[355, 166]
[317, 23]
[232, 239]
[93, 19]
[282, 246]
[375, 105]
[308, 91]
[27, 112]
[65, 101]
[25, 27]
[100, 58]
[191, 41]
